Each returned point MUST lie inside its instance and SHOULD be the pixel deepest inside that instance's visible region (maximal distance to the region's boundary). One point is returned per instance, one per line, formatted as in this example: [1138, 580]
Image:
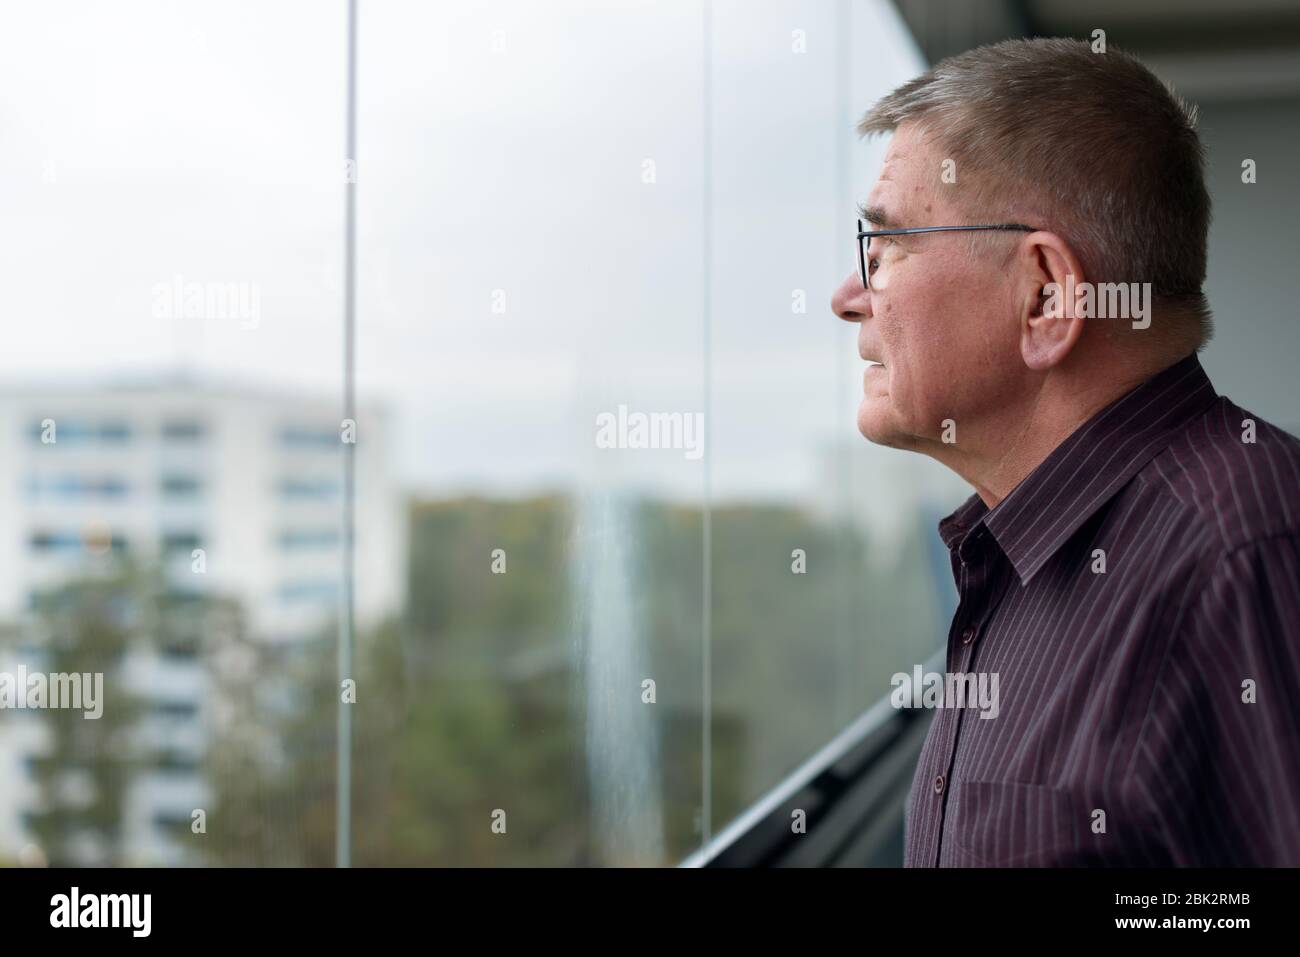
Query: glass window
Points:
[598, 529]
[646, 561]
[172, 185]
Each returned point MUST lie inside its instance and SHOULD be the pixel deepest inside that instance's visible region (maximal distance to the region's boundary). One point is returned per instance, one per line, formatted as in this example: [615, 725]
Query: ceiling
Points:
[1208, 49]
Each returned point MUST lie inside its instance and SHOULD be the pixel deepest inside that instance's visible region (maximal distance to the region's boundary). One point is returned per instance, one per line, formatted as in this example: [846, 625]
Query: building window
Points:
[308, 591]
[180, 486]
[75, 431]
[183, 430]
[182, 542]
[302, 437]
[313, 489]
[309, 538]
[74, 487]
[65, 542]
[114, 432]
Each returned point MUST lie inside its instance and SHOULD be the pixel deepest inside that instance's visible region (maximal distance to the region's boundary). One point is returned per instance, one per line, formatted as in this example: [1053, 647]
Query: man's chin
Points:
[876, 421]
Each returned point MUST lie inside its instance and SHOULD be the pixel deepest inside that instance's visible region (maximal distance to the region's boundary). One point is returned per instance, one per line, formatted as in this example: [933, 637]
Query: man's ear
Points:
[1050, 323]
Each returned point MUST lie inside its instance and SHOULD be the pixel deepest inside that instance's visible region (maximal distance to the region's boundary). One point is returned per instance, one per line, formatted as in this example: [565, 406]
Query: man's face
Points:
[941, 323]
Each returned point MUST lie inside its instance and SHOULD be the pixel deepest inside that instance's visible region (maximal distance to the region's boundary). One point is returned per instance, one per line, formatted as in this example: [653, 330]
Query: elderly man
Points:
[1129, 565]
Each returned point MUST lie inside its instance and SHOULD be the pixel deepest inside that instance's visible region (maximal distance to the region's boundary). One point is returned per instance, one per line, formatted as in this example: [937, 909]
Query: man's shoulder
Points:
[1236, 474]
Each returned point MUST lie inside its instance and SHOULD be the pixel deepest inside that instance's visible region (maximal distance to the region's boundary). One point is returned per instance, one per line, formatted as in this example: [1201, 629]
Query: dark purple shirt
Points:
[1138, 596]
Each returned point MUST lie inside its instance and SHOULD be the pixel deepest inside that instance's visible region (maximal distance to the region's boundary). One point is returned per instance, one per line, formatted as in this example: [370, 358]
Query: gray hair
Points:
[1092, 146]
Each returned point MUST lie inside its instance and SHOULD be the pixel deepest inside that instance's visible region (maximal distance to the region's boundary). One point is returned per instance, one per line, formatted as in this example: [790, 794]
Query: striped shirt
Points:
[1138, 598]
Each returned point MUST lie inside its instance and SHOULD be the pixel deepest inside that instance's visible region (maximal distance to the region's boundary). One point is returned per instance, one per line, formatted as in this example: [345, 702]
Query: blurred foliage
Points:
[99, 623]
[475, 698]
[86, 766]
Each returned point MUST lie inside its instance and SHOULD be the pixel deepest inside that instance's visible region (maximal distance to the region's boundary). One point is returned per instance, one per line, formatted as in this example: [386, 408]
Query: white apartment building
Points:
[236, 492]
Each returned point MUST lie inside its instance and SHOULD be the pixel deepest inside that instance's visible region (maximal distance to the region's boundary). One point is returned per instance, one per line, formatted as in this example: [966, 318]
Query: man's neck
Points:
[1006, 451]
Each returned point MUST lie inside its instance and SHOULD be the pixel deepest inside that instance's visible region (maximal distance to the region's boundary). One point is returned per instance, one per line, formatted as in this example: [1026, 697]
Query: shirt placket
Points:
[975, 570]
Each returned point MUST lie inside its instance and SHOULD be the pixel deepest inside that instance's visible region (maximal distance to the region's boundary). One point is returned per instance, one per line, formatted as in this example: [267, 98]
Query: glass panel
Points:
[535, 256]
[530, 292]
[169, 427]
[622, 561]
[821, 585]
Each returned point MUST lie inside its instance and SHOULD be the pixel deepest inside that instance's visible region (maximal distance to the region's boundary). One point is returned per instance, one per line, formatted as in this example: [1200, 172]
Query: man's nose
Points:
[852, 301]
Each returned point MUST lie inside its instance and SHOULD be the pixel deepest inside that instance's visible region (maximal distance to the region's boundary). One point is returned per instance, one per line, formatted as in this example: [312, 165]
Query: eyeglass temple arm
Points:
[943, 229]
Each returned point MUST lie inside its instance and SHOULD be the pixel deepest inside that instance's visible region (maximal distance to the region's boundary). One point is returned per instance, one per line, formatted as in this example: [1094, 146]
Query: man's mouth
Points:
[872, 376]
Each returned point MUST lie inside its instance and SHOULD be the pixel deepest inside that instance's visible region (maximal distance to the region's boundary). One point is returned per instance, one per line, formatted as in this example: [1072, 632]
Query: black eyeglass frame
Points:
[869, 234]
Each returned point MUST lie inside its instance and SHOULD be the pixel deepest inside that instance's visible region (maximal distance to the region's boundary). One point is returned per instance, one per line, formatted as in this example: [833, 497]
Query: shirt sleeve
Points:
[1221, 742]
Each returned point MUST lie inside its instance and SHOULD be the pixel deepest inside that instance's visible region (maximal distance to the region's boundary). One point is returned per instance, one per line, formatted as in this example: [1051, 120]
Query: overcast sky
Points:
[503, 146]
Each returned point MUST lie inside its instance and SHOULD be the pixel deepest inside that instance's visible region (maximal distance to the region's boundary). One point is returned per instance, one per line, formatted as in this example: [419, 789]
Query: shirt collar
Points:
[1086, 470]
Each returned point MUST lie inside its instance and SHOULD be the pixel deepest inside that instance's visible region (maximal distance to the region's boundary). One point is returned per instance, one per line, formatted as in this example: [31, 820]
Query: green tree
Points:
[86, 765]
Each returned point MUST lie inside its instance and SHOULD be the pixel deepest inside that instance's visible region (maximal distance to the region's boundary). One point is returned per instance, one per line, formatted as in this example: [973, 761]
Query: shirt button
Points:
[968, 635]
[938, 784]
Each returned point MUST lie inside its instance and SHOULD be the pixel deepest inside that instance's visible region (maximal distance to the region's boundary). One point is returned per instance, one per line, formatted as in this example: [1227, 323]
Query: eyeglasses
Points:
[866, 235]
